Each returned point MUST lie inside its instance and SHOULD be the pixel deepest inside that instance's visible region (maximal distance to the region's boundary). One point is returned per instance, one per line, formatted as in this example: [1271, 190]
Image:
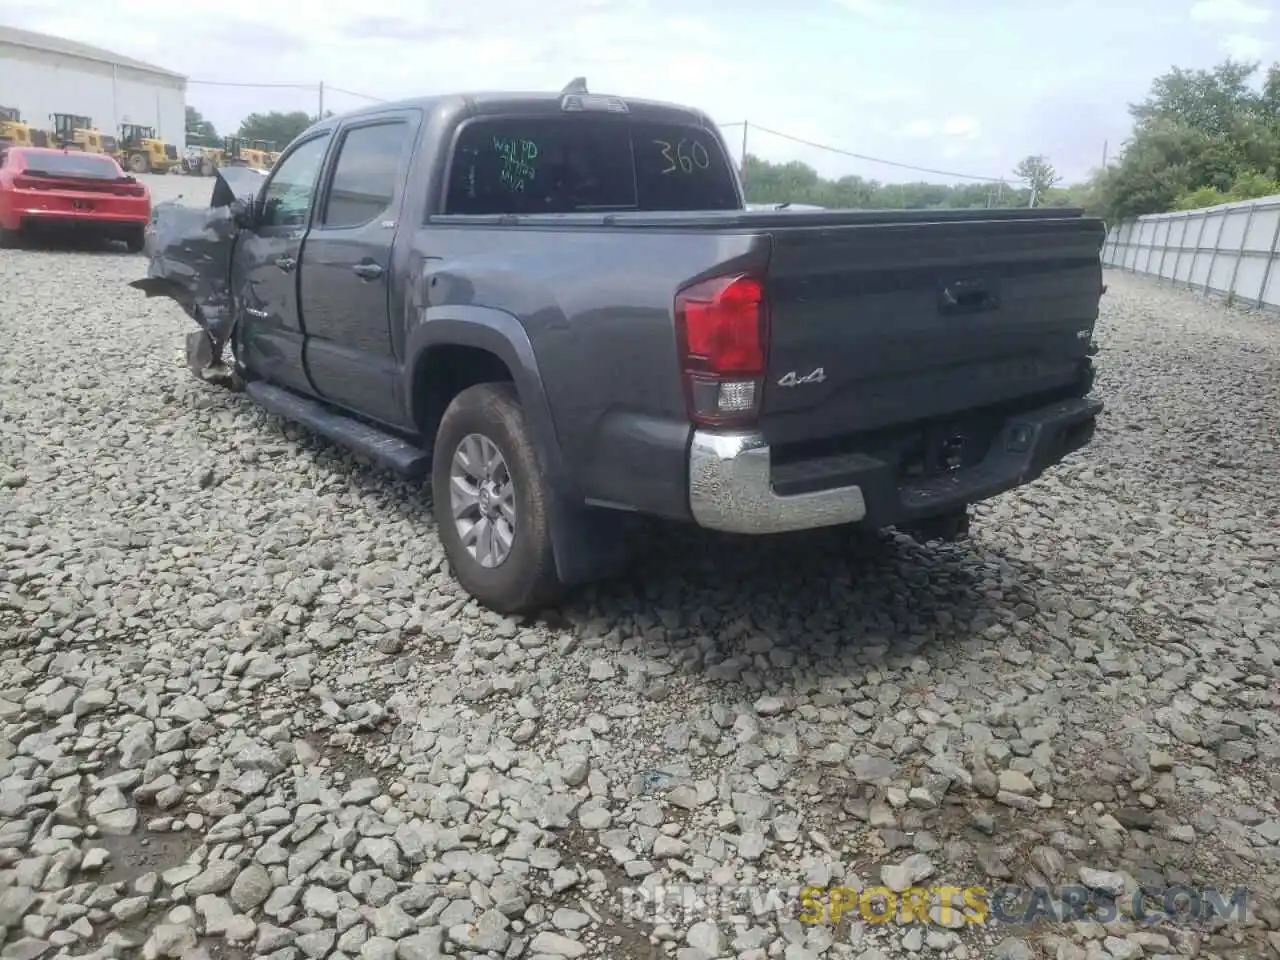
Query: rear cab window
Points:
[577, 164]
[71, 164]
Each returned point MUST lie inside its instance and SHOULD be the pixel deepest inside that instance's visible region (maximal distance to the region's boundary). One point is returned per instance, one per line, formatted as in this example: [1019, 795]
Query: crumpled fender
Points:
[189, 252]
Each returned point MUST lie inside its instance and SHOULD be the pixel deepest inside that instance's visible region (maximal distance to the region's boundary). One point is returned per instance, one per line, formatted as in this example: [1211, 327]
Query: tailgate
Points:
[907, 321]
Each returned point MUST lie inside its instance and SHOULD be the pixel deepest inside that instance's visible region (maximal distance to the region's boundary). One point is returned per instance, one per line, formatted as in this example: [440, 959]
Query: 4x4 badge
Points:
[792, 380]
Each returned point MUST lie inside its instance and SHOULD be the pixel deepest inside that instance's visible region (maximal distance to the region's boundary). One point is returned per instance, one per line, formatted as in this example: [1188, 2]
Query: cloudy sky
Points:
[965, 85]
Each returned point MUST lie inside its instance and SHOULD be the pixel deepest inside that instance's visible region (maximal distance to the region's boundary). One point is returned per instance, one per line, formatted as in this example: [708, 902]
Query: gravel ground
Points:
[245, 712]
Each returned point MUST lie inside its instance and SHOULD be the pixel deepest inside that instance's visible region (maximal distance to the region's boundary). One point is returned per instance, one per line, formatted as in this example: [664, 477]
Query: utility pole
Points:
[1105, 144]
[743, 176]
[320, 115]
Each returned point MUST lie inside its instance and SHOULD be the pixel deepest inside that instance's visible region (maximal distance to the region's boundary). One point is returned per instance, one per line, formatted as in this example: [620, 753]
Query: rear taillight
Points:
[722, 326]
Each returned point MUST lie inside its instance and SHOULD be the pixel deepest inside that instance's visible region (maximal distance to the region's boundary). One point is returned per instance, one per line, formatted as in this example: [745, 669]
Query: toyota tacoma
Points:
[559, 309]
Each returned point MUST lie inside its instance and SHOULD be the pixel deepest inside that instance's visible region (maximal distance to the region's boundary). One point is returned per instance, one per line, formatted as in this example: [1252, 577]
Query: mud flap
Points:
[189, 254]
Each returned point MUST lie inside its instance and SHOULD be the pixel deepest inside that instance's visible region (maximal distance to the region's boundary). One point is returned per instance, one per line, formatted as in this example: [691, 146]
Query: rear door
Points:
[265, 271]
[346, 271]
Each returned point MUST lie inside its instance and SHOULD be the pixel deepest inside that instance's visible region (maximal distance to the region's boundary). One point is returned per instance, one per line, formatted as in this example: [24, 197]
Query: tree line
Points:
[275, 126]
[1200, 137]
[797, 182]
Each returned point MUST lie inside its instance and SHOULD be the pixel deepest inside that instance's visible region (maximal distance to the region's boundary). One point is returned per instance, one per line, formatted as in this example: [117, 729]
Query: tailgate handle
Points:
[969, 296]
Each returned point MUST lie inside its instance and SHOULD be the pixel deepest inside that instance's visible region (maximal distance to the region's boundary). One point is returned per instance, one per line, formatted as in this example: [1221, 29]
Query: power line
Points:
[288, 86]
[870, 159]
[733, 123]
[232, 83]
[353, 93]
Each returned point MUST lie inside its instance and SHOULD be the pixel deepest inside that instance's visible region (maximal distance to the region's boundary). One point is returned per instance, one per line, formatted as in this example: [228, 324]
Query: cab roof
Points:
[490, 102]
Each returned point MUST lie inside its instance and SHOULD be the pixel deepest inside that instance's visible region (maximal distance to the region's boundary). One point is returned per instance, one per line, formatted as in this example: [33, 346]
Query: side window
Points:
[366, 175]
[287, 199]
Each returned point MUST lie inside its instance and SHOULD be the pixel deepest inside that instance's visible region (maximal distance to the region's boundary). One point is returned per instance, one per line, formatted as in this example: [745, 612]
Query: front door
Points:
[347, 267]
[266, 268]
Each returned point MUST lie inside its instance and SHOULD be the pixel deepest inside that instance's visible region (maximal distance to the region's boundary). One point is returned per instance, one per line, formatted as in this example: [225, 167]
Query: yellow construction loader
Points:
[74, 132]
[243, 152]
[12, 130]
[268, 151]
[139, 150]
[202, 156]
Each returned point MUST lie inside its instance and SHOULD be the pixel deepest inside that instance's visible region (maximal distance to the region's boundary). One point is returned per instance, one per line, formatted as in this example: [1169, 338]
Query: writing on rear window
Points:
[686, 156]
[518, 158]
[560, 164]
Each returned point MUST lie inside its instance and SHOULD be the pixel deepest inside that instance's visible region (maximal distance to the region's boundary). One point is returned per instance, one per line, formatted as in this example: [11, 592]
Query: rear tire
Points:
[488, 418]
[139, 163]
[136, 240]
[206, 169]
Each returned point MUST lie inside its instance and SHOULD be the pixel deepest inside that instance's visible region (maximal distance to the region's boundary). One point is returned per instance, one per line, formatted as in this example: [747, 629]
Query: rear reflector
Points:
[722, 326]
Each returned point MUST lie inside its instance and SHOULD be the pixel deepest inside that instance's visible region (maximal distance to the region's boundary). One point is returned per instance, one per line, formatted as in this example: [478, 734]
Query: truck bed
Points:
[910, 315]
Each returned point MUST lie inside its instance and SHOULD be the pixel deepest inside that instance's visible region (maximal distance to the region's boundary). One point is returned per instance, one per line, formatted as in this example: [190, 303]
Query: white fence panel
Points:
[1226, 251]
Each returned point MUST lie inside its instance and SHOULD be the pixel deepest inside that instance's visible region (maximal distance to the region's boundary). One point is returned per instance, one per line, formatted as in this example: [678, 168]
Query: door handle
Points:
[286, 263]
[367, 271]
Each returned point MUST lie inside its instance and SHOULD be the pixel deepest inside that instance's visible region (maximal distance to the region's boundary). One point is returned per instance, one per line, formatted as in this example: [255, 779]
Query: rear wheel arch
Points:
[450, 353]
[444, 370]
[587, 544]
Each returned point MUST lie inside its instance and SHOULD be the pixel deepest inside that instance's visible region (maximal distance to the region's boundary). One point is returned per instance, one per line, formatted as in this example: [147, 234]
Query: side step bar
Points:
[386, 448]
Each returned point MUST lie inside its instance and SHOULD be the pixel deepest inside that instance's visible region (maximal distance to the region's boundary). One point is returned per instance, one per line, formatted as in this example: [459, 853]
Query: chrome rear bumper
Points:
[730, 490]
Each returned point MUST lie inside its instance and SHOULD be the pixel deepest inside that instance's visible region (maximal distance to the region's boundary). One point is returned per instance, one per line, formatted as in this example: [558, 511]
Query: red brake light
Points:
[722, 325]
[722, 320]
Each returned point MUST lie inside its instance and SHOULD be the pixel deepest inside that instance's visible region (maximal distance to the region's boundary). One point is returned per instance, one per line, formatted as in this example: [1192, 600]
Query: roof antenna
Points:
[576, 85]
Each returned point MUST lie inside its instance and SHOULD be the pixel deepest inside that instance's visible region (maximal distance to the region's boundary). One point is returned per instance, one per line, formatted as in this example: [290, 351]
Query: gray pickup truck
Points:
[558, 307]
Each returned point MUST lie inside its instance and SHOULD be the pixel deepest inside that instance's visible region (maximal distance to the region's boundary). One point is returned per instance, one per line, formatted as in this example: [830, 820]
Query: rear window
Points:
[575, 164]
[71, 164]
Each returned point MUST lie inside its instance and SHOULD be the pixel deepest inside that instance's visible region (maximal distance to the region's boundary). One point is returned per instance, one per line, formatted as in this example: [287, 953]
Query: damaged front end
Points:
[190, 250]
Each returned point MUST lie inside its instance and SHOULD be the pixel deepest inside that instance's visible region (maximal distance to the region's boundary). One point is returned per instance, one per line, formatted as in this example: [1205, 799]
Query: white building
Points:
[41, 75]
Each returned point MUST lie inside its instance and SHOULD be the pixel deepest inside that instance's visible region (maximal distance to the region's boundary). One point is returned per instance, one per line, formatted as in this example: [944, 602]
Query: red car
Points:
[83, 192]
